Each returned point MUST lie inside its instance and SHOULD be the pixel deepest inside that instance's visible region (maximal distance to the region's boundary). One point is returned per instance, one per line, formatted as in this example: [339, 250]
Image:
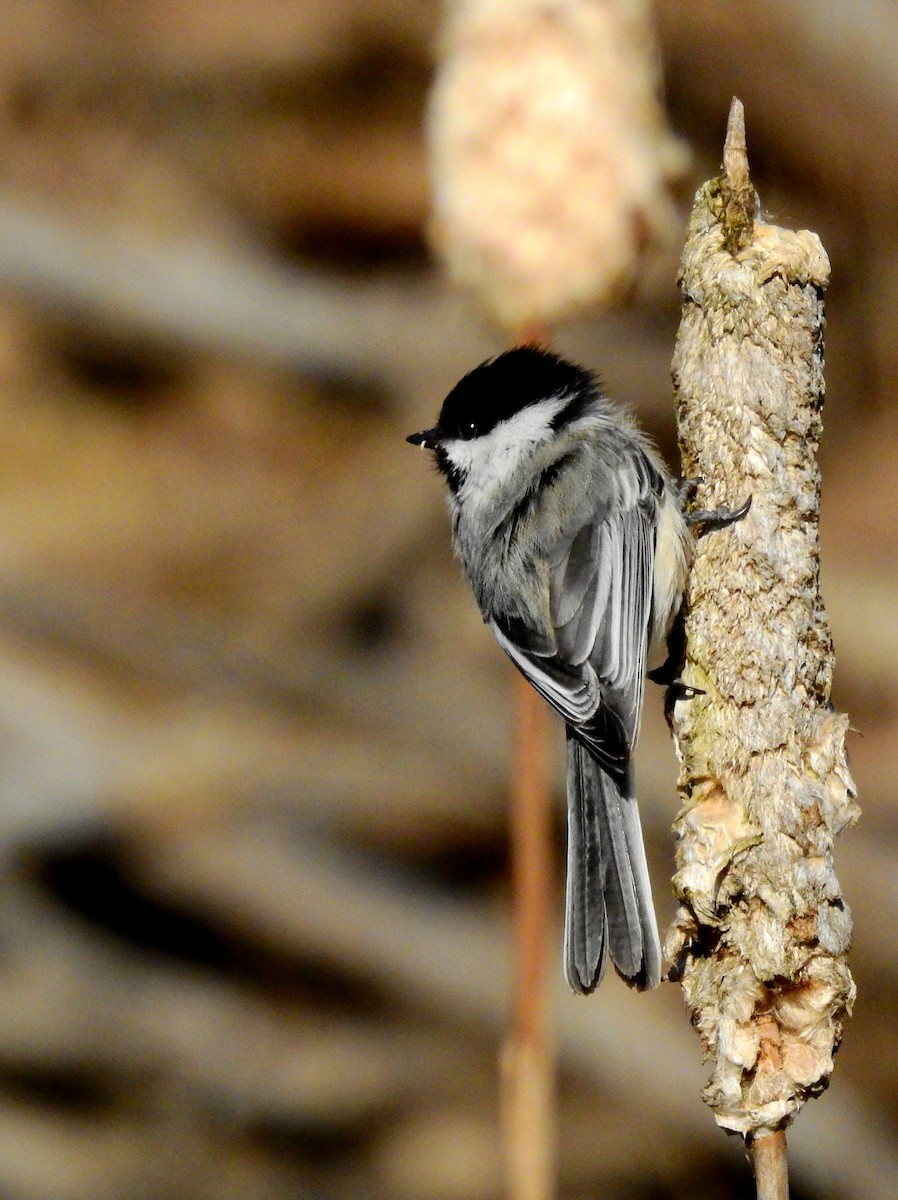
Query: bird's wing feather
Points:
[600, 595]
[620, 624]
[591, 665]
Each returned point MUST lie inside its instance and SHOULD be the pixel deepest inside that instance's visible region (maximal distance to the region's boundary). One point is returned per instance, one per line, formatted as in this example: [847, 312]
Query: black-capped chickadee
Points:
[571, 533]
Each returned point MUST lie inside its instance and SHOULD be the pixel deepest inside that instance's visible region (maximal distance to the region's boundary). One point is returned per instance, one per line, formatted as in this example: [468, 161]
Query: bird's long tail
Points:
[609, 906]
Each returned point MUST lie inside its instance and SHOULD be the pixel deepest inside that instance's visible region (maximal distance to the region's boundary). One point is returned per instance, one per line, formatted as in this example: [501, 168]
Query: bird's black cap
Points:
[505, 385]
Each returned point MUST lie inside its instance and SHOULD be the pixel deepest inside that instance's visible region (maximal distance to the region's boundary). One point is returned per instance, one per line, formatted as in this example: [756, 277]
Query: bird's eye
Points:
[469, 429]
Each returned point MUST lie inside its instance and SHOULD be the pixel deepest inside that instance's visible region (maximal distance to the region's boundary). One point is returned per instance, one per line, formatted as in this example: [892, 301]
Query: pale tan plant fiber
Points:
[762, 931]
[549, 156]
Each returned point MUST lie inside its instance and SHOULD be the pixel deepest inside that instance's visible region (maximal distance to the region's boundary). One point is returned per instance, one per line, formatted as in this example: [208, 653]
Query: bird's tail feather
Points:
[609, 906]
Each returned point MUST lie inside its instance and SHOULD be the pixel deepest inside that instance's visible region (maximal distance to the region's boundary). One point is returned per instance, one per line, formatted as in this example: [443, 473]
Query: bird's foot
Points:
[687, 488]
[709, 520]
[666, 675]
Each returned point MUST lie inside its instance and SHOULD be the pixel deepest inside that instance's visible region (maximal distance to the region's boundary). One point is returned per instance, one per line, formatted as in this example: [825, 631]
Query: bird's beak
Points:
[428, 439]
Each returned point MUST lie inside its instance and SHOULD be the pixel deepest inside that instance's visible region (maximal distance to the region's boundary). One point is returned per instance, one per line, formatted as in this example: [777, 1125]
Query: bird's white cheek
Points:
[485, 463]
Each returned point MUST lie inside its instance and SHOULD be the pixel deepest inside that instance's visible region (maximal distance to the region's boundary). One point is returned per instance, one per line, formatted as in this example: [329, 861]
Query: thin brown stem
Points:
[531, 851]
[528, 1067]
[767, 1153]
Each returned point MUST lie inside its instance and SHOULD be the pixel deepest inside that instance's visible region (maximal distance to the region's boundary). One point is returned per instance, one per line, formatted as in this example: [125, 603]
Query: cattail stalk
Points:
[528, 1059]
[528, 1074]
[762, 932]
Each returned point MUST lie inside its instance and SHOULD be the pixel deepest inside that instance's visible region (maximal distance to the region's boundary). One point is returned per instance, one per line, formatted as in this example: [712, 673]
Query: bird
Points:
[571, 532]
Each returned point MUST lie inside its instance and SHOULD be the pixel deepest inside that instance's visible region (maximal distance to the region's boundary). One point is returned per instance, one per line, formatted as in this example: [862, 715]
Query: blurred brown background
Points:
[253, 737]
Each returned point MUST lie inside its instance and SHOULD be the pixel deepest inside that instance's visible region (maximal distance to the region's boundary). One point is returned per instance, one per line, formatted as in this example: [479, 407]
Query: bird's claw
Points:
[678, 690]
[666, 676]
[712, 519]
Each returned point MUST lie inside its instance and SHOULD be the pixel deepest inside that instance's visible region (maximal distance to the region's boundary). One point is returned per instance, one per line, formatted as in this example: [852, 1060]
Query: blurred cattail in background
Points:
[550, 154]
